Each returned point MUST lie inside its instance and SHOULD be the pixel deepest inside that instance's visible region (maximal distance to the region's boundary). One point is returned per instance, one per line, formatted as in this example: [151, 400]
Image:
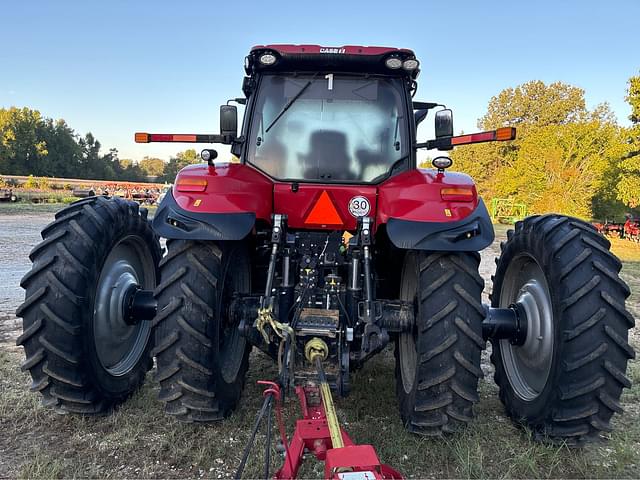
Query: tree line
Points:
[566, 158]
[31, 144]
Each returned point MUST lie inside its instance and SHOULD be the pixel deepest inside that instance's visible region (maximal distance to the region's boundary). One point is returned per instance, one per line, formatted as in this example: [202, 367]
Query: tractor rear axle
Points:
[395, 316]
[139, 305]
[505, 323]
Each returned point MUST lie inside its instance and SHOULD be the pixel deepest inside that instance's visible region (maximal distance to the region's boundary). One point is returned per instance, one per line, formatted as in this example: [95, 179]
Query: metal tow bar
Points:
[318, 432]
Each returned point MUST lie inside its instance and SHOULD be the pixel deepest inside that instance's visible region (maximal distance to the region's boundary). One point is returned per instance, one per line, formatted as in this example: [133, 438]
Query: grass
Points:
[626, 250]
[139, 440]
[20, 208]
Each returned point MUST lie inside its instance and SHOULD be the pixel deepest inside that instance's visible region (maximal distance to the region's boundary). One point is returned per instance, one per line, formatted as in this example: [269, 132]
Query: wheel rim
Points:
[528, 366]
[119, 346]
[232, 344]
[406, 341]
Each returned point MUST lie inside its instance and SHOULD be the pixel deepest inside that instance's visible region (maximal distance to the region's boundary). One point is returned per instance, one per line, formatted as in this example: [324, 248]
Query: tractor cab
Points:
[329, 115]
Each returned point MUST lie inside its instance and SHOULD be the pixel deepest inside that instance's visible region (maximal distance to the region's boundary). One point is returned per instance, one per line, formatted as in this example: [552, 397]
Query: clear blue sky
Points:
[115, 67]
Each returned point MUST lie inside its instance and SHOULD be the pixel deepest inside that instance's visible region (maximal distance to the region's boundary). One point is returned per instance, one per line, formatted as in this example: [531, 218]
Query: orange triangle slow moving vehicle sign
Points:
[324, 212]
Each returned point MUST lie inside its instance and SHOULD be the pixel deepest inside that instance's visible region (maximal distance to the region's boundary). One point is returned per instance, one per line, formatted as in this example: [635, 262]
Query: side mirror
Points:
[444, 123]
[229, 120]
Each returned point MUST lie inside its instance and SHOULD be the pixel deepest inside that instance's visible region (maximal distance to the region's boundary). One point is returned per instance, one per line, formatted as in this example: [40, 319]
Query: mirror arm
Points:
[443, 143]
[426, 105]
[223, 139]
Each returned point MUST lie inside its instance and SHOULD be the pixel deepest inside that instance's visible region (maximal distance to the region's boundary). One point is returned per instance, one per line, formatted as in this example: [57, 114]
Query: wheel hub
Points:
[528, 366]
[538, 344]
[120, 344]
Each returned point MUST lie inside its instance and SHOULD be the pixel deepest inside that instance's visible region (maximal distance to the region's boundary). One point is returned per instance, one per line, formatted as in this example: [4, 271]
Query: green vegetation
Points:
[181, 160]
[629, 186]
[33, 145]
[153, 167]
[566, 159]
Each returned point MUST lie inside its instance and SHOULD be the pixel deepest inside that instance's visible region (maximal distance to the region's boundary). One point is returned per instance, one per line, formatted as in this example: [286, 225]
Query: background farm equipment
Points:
[322, 246]
[507, 210]
[7, 195]
[610, 229]
[83, 192]
[45, 188]
[631, 229]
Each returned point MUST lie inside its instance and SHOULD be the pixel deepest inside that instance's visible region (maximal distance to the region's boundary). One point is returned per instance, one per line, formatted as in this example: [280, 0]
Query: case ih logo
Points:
[331, 50]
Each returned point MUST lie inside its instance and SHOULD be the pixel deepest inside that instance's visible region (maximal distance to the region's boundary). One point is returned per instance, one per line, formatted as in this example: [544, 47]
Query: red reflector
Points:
[324, 212]
[161, 137]
[456, 193]
[474, 138]
[191, 185]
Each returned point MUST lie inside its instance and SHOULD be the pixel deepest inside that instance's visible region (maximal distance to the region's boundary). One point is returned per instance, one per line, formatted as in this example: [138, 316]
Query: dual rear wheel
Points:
[85, 352]
[566, 380]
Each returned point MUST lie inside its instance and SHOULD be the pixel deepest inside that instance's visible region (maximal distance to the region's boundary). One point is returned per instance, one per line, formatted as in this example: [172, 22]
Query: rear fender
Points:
[471, 234]
[417, 217]
[235, 197]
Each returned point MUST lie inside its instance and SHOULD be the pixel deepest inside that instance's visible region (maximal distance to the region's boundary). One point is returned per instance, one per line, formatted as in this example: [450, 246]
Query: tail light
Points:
[191, 184]
[460, 194]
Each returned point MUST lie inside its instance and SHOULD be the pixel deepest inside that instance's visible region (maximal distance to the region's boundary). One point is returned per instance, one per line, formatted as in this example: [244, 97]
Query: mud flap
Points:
[172, 221]
[470, 234]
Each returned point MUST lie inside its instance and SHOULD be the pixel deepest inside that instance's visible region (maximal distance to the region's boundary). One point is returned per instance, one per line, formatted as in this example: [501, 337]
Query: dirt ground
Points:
[139, 440]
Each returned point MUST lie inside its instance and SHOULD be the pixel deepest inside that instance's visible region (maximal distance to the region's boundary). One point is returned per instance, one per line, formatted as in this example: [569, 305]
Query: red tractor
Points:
[321, 247]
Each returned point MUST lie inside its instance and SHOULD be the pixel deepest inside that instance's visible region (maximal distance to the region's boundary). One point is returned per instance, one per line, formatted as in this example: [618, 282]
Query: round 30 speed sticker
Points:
[359, 206]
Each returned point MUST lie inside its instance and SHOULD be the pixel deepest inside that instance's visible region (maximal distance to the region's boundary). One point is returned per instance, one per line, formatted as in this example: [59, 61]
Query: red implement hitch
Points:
[312, 434]
[318, 432]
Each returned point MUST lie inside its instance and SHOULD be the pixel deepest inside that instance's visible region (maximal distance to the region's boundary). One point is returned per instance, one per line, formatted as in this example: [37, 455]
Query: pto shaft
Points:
[316, 350]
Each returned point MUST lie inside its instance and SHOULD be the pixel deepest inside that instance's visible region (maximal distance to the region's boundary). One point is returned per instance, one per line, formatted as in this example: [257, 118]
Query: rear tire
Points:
[565, 382]
[438, 364]
[202, 359]
[82, 356]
